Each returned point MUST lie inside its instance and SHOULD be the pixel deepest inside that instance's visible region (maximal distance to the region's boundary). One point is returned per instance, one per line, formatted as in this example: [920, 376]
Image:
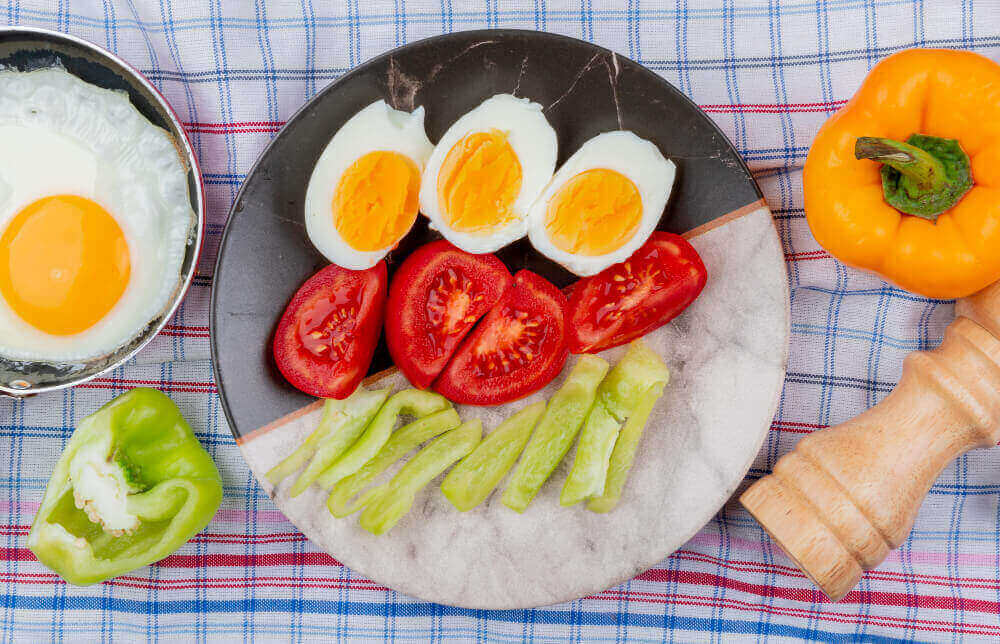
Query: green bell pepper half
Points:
[132, 485]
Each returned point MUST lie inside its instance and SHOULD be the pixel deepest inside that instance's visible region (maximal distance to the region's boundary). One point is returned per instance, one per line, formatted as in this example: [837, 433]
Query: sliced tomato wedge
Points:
[437, 296]
[518, 348]
[629, 299]
[326, 338]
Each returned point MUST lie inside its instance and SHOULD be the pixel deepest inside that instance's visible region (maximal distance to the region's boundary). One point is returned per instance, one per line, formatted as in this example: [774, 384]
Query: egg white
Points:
[534, 143]
[62, 135]
[377, 127]
[624, 152]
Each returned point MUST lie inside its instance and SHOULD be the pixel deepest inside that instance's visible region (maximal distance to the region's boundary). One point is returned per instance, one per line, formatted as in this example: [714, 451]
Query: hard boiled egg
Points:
[362, 196]
[602, 204]
[95, 218]
[486, 171]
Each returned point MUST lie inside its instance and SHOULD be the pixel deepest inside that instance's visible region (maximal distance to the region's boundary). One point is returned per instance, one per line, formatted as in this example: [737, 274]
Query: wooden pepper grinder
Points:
[847, 495]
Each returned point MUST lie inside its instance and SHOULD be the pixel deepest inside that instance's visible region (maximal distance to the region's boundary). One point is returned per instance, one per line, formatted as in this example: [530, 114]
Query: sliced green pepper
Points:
[132, 485]
[618, 398]
[624, 452]
[593, 452]
[342, 423]
[555, 432]
[626, 384]
[402, 441]
[394, 499]
[471, 481]
[410, 402]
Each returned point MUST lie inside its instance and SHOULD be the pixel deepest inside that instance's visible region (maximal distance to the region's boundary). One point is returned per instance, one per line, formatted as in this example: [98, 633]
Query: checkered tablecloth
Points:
[769, 72]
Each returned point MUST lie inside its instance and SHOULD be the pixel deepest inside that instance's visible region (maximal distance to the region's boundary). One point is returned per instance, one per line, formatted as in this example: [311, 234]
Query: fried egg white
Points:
[362, 195]
[95, 218]
[486, 171]
[602, 204]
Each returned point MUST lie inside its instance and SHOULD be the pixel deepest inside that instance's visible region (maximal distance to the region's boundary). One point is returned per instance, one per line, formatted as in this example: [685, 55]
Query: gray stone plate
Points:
[727, 353]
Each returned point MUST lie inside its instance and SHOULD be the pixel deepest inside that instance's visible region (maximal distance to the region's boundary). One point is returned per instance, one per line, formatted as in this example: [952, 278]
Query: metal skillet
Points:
[27, 48]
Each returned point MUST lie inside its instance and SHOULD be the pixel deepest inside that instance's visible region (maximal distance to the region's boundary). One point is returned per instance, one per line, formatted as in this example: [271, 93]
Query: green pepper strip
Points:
[630, 379]
[342, 423]
[555, 432]
[402, 441]
[155, 474]
[471, 481]
[394, 499]
[618, 397]
[624, 453]
[411, 402]
[593, 453]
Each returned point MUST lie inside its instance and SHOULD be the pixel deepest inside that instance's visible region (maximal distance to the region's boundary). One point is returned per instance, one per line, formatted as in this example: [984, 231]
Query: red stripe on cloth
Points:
[246, 127]
[236, 127]
[796, 428]
[773, 108]
[224, 583]
[842, 618]
[239, 560]
[186, 331]
[882, 575]
[813, 595]
[807, 255]
[192, 583]
[173, 385]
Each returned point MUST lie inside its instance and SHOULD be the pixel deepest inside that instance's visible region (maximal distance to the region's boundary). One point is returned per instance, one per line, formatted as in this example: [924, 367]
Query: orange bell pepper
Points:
[904, 180]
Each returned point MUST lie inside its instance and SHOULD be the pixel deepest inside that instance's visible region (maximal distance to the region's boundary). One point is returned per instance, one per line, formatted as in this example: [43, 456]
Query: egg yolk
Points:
[594, 213]
[64, 263]
[479, 182]
[376, 200]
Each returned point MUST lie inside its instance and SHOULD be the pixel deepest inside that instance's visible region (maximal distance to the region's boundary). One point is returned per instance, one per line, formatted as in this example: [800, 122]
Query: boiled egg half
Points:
[602, 204]
[485, 172]
[363, 194]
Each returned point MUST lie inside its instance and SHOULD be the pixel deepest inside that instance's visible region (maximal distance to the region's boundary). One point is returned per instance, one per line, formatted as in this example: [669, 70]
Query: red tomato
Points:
[437, 296]
[327, 335]
[628, 300]
[518, 348]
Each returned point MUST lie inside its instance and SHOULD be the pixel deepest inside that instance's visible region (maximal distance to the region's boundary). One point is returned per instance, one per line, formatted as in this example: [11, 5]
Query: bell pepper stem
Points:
[926, 172]
[924, 176]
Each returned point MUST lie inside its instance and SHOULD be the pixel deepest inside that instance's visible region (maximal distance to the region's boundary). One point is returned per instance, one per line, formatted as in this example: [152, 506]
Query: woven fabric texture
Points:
[769, 73]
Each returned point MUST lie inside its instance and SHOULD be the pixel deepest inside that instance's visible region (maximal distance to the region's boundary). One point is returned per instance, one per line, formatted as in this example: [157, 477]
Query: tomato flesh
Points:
[632, 298]
[517, 349]
[326, 338]
[437, 296]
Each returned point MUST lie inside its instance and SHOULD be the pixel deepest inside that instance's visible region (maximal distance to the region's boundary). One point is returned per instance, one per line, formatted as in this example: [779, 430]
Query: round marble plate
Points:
[727, 353]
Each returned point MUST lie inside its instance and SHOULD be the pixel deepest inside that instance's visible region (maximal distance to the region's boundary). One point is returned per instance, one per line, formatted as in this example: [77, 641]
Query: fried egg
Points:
[95, 218]
[602, 204]
[363, 193]
[486, 171]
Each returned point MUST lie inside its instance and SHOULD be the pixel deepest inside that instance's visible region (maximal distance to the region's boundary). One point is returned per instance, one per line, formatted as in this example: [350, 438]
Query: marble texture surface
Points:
[727, 356]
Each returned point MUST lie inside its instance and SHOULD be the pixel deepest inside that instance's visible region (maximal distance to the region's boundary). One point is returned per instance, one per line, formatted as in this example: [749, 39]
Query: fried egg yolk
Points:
[64, 263]
[376, 200]
[594, 213]
[479, 181]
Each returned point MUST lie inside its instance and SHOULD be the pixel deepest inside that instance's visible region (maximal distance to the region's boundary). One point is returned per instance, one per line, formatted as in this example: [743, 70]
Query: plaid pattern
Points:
[769, 72]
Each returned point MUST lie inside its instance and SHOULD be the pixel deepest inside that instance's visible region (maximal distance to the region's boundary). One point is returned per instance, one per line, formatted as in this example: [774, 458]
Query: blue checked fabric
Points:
[769, 72]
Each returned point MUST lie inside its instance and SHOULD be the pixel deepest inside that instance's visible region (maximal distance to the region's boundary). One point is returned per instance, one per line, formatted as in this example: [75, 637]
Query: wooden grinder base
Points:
[848, 495]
